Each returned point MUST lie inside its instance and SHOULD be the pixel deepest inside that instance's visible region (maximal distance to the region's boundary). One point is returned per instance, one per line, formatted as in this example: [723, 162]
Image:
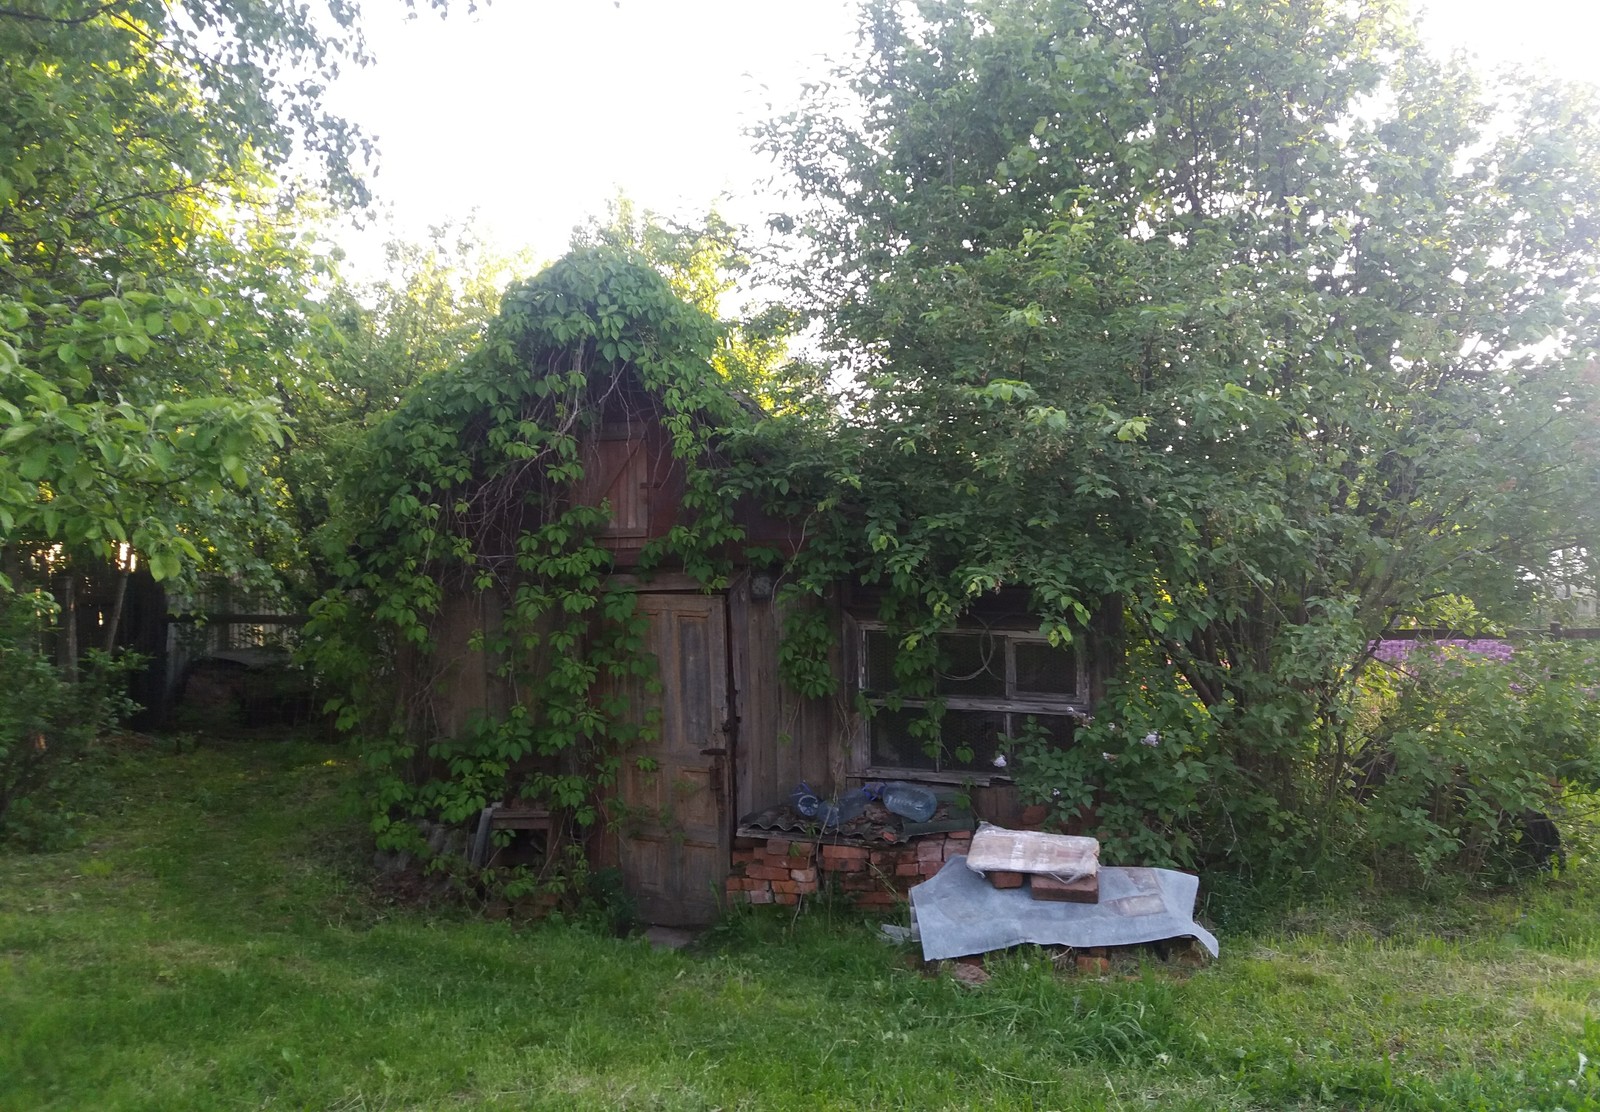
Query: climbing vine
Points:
[472, 512]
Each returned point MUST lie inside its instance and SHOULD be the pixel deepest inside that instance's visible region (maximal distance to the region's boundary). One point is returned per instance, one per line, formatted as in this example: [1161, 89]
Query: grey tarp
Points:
[958, 912]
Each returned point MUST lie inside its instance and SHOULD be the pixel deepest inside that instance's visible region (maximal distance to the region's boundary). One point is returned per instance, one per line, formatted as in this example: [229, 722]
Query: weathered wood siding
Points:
[782, 738]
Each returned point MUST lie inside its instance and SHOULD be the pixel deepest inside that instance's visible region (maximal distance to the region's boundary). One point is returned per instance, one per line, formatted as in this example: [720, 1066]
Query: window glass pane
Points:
[1057, 727]
[970, 734]
[893, 745]
[880, 660]
[971, 738]
[1043, 669]
[972, 665]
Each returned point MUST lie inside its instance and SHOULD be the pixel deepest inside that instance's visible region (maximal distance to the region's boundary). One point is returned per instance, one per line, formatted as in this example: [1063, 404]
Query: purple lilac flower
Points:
[1398, 651]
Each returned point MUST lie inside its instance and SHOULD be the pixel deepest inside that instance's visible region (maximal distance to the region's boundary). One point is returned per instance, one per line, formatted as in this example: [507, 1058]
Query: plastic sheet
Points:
[958, 913]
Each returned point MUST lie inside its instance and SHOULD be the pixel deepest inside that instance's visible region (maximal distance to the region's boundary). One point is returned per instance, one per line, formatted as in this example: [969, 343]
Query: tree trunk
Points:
[114, 624]
[67, 648]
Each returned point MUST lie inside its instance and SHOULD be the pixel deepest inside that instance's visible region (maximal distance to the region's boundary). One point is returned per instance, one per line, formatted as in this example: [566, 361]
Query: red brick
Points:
[1094, 965]
[803, 876]
[778, 847]
[1005, 880]
[930, 849]
[884, 857]
[910, 868]
[844, 853]
[785, 887]
[877, 899]
[789, 899]
[805, 888]
[962, 836]
[858, 882]
[836, 865]
[763, 897]
[1084, 890]
[766, 872]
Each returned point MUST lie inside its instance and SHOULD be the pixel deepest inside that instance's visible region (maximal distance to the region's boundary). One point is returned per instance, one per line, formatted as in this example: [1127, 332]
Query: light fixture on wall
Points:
[761, 585]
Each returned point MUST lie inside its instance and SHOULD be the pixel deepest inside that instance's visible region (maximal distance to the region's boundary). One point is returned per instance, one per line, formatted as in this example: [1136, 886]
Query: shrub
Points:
[47, 723]
[1472, 751]
[1136, 774]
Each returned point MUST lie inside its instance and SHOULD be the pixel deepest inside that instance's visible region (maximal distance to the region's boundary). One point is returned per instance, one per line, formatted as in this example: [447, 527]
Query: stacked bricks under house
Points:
[784, 870]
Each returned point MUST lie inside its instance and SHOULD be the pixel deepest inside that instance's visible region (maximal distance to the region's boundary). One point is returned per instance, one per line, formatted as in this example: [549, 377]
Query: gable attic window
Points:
[990, 683]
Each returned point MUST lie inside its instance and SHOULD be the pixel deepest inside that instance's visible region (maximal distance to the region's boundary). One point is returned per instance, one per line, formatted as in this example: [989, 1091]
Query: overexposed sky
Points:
[535, 113]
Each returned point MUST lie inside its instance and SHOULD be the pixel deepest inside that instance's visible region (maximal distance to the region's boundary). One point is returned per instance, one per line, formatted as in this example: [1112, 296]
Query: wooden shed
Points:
[732, 738]
[728, 737]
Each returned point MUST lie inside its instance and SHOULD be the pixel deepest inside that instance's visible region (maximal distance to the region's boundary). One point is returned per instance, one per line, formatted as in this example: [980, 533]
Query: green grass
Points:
[214, 945]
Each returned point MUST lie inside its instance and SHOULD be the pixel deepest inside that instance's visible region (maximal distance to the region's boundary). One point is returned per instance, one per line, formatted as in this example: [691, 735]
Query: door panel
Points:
[673, 840]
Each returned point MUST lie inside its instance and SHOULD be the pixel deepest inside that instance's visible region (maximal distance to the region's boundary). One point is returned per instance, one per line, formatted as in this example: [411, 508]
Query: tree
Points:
[1251, 317]
[152, 282]
[380, 340]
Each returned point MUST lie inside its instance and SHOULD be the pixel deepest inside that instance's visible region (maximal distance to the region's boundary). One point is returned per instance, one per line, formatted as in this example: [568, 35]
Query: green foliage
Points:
[1469, 748]
[153, 290]
[469, 505]
[372, 344]
[703, 262]
[1139, 771]
[1248, 327]
[47, 724]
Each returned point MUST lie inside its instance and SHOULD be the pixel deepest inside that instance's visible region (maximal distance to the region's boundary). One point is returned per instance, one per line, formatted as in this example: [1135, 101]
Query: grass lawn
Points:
[213, 945]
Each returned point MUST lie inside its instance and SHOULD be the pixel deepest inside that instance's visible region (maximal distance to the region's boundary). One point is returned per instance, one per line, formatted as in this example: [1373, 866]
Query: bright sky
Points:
[536, 112]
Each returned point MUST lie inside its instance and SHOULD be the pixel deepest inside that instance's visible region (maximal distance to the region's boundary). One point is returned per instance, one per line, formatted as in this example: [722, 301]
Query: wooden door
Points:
[674, 828]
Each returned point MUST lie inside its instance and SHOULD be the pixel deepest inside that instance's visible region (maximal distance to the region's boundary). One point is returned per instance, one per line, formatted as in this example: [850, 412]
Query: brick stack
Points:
[782, 870]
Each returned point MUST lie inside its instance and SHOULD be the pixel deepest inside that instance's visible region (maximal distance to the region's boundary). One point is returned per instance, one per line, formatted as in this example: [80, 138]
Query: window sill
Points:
[929, 776]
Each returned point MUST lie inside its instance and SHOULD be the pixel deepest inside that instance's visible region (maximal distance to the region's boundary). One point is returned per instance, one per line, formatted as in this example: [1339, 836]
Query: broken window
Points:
[987, 685]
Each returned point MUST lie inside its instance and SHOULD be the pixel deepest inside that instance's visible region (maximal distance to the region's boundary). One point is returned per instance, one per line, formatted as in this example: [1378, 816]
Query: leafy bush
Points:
[1137, 771]
[1162, 778]
[1463, 758]
[1472, 750]
[47, 723]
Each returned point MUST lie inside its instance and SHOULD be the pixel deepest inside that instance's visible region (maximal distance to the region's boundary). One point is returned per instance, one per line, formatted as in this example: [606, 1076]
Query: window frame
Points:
[1076, 706]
